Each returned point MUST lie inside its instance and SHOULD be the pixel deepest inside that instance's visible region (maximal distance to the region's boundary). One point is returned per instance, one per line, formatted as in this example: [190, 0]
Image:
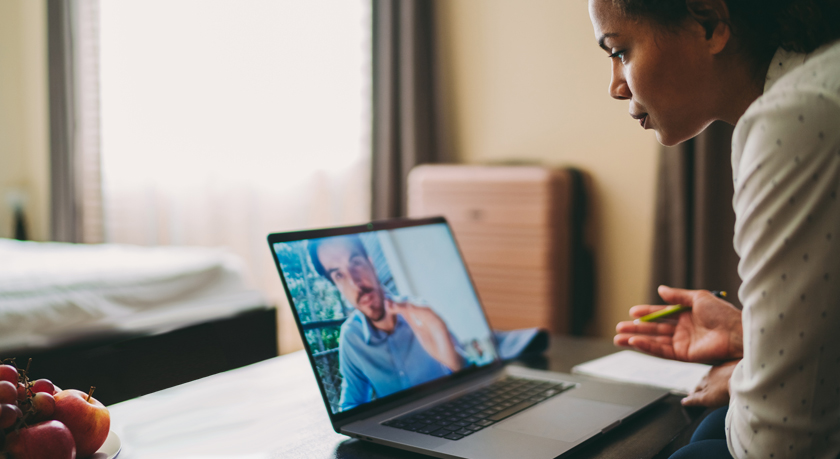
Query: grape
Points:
[9, 414]
[8, 392]
[8, 373]
[44, 405]
[43, 385]
[21, 392]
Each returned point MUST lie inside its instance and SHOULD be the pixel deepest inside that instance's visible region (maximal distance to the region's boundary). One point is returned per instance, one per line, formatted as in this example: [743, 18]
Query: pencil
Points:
[675, 309]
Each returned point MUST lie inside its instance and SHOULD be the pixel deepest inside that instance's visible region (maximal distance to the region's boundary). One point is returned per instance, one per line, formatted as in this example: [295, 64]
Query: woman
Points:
[772, 69]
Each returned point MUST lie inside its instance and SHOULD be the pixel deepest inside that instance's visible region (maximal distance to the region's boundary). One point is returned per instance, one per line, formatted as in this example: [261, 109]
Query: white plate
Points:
[110, 449]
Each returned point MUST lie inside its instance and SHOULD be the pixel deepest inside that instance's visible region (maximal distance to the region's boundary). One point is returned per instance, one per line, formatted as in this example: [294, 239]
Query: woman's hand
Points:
[710, 332]
[713, 390]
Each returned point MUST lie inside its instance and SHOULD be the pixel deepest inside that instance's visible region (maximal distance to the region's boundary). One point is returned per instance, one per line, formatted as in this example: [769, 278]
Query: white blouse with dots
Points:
[786, 167]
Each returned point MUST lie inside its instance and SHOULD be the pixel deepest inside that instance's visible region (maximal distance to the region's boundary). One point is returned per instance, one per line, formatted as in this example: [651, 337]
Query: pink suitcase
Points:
[517, 227]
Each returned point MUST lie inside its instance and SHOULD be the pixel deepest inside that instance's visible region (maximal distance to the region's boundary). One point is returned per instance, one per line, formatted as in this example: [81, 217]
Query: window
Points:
[222, 121]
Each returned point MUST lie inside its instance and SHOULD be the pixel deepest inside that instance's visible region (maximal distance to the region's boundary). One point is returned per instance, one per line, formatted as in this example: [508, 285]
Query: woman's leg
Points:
[704, 449]
[713, 427]
[709, 440]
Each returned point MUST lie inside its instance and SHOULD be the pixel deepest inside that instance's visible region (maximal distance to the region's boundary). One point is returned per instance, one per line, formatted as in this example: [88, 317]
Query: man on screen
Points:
[386, 344]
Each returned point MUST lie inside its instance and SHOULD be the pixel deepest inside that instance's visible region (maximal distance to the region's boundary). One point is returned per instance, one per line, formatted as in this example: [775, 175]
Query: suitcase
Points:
[521, 230]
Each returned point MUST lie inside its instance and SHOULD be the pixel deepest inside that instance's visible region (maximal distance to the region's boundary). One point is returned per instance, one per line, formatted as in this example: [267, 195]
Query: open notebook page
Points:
[635, 367]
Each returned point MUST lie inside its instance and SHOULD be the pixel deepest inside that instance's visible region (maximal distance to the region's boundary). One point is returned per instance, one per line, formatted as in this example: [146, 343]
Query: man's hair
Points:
[762, 26]
[351, 239]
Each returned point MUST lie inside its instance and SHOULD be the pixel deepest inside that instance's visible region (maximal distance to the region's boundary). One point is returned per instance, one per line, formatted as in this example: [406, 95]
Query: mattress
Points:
[55, 293]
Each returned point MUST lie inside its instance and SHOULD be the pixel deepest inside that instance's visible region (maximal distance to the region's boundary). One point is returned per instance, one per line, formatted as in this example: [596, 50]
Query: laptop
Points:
[404, 355]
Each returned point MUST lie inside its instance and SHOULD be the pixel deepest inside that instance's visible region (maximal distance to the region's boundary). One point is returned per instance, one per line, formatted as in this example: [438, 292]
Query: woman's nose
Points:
[618, 85]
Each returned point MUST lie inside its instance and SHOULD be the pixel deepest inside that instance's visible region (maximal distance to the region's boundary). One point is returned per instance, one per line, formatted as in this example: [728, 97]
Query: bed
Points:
[127, 319]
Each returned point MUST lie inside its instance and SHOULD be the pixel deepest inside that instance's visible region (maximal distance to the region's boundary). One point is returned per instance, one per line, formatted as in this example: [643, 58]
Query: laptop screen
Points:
[384, 311]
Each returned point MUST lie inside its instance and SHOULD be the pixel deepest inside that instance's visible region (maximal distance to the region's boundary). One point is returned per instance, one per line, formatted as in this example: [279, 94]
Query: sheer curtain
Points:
[223, 121]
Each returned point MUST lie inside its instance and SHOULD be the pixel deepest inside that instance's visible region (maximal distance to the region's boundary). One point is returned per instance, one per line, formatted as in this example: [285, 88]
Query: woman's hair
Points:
[762, 26]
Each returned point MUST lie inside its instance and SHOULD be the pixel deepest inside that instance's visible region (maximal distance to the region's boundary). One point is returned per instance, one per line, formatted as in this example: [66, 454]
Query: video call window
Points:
[384, 311]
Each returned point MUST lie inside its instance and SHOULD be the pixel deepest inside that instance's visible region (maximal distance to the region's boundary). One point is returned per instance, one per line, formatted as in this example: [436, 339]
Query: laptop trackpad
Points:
[566, 418]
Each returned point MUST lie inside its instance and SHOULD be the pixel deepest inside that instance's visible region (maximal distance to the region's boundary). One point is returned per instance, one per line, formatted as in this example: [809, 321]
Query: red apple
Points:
[47, 440]
[87, 419]
[8, 373]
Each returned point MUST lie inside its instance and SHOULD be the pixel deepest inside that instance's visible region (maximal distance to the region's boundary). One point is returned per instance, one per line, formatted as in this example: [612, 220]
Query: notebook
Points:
[634, 367]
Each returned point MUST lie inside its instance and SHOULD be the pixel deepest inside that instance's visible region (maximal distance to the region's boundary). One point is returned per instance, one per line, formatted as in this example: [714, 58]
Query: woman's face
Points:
[665, 74]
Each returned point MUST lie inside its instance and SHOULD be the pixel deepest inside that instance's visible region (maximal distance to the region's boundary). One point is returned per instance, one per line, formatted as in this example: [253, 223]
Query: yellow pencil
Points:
[675, 309]
[670, 310]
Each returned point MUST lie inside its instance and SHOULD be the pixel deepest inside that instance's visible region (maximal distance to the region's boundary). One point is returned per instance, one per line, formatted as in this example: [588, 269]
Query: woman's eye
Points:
[618, 55]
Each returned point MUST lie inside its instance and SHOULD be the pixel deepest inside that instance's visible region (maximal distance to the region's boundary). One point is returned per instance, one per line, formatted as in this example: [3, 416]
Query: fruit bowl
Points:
[110, 449]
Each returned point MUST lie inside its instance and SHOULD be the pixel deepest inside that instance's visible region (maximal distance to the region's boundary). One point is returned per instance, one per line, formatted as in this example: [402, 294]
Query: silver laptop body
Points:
[420, 256]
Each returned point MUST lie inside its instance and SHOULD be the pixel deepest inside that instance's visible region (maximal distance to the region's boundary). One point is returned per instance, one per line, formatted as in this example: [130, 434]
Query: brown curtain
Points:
[407, 128]
[694, 217]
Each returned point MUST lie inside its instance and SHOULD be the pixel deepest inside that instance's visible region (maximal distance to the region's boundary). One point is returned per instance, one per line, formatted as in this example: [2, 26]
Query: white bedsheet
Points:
[51, 293]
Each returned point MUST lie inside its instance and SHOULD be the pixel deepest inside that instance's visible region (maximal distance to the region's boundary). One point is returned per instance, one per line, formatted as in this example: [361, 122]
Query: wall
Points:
[24, 119]
[525, 80]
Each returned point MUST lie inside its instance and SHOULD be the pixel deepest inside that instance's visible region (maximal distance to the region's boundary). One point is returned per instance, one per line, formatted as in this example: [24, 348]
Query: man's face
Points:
[352, 272]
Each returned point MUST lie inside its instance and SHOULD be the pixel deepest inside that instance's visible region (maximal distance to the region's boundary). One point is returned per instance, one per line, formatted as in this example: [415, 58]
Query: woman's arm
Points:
[787, 171]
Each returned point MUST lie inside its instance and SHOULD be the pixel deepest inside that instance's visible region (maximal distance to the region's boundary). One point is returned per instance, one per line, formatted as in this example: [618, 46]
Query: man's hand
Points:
[713, 390]
[710, 333]
[431, 331]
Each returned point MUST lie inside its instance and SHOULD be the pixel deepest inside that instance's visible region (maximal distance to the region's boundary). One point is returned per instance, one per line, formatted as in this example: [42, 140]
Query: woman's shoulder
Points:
[795, 79]
[801, 108]
[819, 72]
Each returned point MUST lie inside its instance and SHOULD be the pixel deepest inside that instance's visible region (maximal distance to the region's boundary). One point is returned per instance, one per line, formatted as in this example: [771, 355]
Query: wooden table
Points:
[272, 409]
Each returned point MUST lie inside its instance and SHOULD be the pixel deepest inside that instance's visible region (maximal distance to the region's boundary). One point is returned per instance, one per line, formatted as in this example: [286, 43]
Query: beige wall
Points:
[24, 122]
[525, 80]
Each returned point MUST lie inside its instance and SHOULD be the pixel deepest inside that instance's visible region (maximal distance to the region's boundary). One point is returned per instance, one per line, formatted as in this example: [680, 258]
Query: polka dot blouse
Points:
[786, 168]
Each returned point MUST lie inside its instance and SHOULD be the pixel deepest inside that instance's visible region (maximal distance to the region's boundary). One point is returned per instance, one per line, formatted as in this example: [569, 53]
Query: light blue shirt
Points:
[374, 363]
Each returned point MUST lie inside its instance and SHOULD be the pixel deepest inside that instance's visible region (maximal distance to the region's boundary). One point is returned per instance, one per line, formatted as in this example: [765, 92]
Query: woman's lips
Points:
[643, 118]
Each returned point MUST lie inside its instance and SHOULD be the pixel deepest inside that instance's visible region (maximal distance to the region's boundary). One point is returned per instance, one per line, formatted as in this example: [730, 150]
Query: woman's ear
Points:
[713, 16]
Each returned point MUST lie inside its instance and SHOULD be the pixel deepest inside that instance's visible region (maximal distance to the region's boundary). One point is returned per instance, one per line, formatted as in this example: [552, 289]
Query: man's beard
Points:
[377, 300]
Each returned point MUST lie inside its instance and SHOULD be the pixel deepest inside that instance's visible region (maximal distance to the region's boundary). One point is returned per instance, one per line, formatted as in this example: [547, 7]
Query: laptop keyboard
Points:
[482, 408]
